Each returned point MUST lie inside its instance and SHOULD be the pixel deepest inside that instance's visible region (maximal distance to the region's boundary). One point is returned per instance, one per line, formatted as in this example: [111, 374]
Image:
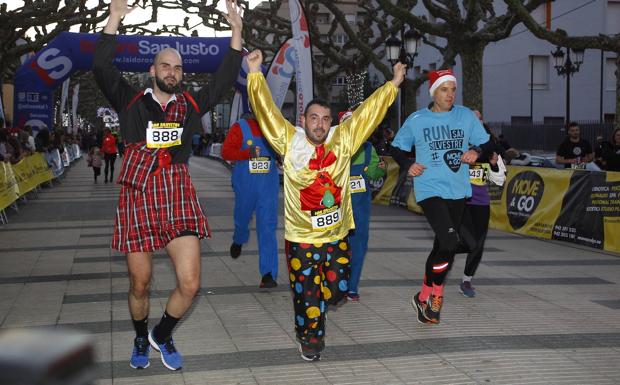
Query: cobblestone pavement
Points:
[545, 312]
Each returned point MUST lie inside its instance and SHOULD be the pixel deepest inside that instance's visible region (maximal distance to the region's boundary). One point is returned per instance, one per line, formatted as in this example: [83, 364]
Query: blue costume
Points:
[255, 182]
[360, 201]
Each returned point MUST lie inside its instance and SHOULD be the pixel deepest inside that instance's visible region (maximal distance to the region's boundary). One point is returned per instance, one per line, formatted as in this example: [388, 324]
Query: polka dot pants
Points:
[318, 274]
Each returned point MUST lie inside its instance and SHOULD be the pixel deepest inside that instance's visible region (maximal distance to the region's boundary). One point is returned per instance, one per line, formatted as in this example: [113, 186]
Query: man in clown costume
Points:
[317, 202]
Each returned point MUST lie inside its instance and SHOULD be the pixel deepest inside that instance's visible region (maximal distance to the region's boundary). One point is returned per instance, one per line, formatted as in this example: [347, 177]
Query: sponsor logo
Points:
[524, 193]
[145, 47]
[452, 159]
[50, 66]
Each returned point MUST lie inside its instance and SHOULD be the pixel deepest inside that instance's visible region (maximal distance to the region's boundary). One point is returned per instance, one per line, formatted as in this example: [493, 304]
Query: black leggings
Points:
[109, 162]
[475, 222]
[444, 216]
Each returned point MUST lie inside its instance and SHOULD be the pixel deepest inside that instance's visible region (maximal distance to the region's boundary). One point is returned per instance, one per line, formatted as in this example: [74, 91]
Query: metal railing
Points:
[547, 137]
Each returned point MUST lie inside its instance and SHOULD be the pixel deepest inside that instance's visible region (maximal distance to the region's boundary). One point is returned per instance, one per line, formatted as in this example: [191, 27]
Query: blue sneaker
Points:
[140, 354]
[169, 355]
[467, 289]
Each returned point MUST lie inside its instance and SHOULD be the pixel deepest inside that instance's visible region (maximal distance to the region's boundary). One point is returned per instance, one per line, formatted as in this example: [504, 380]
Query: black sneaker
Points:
[308, 354]
[235, 250]
[267, 282]
[432, 311]
[420, 308]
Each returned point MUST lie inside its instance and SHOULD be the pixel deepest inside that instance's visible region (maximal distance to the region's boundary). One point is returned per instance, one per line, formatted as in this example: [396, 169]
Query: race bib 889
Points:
[325, 219]
[161, 135]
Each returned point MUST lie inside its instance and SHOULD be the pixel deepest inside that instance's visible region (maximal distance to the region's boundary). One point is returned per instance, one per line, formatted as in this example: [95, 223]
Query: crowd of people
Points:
[18, 143]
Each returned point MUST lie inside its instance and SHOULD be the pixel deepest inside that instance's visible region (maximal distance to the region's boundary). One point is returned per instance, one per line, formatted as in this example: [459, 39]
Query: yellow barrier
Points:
[8, 186]
[18, 179]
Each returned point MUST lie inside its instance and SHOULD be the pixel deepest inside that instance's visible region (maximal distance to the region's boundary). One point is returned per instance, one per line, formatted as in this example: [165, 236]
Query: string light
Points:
[355, 88]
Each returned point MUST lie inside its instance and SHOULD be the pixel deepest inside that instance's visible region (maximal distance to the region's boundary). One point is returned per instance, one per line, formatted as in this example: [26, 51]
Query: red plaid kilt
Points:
[147, 220]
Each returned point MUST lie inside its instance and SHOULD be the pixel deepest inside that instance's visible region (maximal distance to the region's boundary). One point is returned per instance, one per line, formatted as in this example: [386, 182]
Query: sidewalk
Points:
[545, 312]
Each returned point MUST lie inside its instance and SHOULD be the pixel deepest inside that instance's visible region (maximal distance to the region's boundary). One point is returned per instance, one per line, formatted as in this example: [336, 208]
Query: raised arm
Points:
[273, 125]
[118, 10]
[109, 79]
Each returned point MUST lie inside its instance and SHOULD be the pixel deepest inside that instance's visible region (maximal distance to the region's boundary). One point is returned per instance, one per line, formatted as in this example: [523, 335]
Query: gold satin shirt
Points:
[344, 142]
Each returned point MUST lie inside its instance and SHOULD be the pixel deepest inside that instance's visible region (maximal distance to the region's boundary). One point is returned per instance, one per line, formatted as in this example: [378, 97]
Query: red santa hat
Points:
[436, 78]
[344, 115]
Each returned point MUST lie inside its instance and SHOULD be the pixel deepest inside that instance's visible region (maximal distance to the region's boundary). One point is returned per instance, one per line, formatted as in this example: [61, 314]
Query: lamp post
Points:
[403, 50]
[567, 68]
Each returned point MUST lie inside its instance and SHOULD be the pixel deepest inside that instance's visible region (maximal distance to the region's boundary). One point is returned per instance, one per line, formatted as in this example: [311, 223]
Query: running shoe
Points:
[267, 282]
[235, 250]
[432, 311]
[169, 355]
[140, 355]
[420, 307]
[353, 296]
[467, 289]
[308, 354]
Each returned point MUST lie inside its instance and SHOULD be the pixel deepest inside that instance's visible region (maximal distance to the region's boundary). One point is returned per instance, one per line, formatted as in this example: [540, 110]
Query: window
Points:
[339, 81]
[322, 18]
[340, 39]
[613, 17]
[324, 38]
[351, 18]
[610, 74]
[539, 67]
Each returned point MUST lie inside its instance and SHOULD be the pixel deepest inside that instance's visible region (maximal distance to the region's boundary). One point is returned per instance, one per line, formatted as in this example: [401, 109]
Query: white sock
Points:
[467, 278]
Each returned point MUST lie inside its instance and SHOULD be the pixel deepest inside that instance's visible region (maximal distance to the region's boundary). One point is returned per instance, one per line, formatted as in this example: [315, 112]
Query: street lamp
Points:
[403, 50]
[567, 68]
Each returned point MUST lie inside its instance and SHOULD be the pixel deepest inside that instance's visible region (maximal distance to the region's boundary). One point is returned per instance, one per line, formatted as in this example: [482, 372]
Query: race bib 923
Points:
[161, 135]
[260, 165]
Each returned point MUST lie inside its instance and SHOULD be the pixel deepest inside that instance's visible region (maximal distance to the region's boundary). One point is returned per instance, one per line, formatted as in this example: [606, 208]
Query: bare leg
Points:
[139, 266]
[185, 255]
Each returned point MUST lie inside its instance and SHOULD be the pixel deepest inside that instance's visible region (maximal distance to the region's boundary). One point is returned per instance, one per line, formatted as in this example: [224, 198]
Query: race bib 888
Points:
[161, 135]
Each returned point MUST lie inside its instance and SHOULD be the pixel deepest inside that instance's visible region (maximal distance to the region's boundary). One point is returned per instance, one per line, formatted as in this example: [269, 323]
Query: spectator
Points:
[612, 156]
[14, 149]
[574, 152]
[108, 147]
[29, 139]
[601, 148]
[5, 147]
[42, 141]
[503, 142]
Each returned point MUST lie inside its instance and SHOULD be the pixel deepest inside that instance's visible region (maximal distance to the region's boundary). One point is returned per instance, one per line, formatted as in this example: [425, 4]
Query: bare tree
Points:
[468, 26]
[561, 38]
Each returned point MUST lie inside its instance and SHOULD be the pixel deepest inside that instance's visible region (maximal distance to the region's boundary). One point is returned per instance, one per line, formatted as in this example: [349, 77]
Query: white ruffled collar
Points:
[301, 149]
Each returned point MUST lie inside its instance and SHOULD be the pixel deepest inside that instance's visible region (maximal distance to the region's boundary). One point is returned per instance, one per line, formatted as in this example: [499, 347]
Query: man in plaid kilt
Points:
[158, 206]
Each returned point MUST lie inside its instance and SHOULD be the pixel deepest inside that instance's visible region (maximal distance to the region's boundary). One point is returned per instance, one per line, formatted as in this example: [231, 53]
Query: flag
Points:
[301, 42]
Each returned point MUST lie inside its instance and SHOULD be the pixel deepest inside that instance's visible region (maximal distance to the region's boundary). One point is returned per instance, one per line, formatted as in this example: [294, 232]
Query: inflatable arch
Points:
[37, 78]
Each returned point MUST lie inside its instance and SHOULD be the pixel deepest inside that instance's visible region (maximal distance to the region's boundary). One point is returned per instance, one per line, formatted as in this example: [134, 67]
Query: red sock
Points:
[425, 292]
[438, 290]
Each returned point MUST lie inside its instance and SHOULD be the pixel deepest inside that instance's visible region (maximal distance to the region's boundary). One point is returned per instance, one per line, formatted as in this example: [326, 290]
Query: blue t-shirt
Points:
[440, 138]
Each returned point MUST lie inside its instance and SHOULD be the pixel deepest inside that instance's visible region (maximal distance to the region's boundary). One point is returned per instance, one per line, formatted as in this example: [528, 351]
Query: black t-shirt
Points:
[613, 158]
[572, 150]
